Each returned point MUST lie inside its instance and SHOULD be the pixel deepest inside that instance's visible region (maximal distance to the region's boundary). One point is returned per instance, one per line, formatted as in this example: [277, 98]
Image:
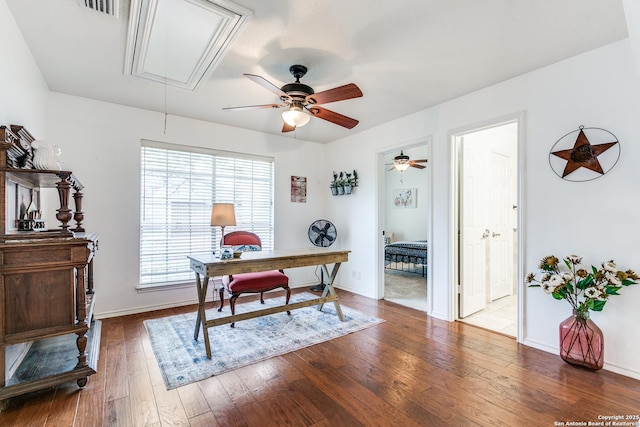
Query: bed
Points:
[407, 256]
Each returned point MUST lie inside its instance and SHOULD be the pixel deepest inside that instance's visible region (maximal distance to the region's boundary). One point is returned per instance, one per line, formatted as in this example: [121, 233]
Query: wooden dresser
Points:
[47, 335]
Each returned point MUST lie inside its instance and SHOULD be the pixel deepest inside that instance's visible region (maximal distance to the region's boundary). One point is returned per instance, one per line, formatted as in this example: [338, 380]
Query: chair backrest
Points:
[243, 238]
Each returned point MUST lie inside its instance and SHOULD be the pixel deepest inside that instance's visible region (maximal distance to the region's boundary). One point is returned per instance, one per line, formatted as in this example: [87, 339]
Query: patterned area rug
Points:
[183, 360]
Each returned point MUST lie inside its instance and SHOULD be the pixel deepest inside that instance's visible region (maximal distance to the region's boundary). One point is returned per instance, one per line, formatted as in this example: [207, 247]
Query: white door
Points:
[502, 215]
[474, 224]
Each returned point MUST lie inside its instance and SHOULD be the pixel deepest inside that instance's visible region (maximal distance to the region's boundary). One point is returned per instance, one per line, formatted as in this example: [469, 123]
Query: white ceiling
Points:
[405, 55]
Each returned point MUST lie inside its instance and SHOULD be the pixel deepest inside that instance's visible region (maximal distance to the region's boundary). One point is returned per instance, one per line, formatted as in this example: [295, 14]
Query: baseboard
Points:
[622, 371]
[353, 291]
[607, 366]
[540, 346]
[440, 316]
[138, 310]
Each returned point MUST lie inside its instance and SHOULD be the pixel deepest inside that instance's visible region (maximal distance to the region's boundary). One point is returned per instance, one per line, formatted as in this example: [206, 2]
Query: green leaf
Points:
[533, 285]
[568, 264]
[569, 288]
[627, 282]
[557, 295]
[612, 290]
[585, 283]
[597, 305]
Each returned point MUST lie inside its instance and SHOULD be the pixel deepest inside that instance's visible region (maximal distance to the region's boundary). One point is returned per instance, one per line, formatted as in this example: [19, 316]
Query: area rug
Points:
[183, 360]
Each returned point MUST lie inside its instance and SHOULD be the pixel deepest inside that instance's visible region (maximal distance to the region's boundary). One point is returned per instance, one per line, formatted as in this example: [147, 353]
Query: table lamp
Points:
[223, 214]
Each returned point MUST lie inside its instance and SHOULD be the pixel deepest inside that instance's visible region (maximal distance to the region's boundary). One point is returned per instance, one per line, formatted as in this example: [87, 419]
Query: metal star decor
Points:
[584, 154]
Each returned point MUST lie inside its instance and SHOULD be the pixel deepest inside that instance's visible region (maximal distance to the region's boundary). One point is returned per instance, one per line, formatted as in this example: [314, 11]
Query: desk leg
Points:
[329, 288]
[201, 318]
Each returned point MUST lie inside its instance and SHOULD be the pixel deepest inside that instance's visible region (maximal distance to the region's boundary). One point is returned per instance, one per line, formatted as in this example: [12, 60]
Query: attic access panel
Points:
[180, 42]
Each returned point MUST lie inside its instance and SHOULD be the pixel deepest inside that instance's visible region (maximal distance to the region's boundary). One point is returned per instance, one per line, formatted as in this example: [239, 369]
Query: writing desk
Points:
[207, 266]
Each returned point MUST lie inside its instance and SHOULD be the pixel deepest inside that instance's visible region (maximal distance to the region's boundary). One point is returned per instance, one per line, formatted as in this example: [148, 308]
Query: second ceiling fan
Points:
[302, 102]
[403, 162]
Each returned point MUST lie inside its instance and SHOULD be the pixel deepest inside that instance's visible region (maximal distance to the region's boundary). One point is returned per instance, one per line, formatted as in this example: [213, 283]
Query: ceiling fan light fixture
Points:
[402, 162]
[295, 116]
[401, 166]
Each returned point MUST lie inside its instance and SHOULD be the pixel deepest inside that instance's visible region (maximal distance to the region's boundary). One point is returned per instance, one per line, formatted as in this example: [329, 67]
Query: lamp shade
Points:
[223, 214]
[401, 166]
[295, 116]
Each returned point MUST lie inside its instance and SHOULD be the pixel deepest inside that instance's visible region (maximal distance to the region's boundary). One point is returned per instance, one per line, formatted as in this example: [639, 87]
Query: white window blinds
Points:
[178, 189]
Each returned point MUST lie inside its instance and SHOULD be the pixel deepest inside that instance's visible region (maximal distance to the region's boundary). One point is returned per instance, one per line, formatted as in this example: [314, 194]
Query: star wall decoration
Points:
[585, 154]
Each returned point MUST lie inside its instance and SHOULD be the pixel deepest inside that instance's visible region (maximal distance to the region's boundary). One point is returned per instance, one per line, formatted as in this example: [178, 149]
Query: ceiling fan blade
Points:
[253, 107]
[266, 84]
[339, 93]
[391, 168]
[287, 128]
[415, 165]
[333, 117]
[420, 161]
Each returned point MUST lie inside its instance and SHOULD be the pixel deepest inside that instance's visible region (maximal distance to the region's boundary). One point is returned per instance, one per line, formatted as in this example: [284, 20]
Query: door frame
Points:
[454, 151]
[381, 193]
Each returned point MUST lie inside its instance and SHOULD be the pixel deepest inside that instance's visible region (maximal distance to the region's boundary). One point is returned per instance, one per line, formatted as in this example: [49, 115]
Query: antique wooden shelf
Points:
[47, 332]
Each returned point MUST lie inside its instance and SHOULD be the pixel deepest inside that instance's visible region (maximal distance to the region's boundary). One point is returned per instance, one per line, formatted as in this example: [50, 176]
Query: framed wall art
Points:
[299, 189]
[404, 198]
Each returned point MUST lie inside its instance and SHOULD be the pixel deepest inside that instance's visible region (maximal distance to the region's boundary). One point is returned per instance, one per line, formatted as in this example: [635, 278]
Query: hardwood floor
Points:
[411, 370]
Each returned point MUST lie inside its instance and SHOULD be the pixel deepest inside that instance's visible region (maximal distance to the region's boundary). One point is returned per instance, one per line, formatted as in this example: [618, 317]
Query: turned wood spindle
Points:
[64, 213]
[78, 215]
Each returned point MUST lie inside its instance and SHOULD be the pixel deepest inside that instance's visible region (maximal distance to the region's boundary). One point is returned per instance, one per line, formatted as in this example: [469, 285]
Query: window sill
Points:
[155, 287]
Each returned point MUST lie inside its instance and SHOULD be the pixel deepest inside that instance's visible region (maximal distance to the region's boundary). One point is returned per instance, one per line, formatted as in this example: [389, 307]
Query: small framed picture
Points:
[299, 189]
[404, 198]
[24, 200]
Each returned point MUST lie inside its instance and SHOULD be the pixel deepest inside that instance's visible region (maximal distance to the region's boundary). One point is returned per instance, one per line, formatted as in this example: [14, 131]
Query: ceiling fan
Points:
[403, 162]
[302, 102]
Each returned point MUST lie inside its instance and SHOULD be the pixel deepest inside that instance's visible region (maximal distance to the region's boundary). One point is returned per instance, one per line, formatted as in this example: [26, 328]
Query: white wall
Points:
[407, 224]
[23, 94]
[23, 91]
[100, 142]
[595, 219]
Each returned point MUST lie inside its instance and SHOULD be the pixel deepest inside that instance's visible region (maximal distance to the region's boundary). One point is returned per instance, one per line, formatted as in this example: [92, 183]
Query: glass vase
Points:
[581, 341]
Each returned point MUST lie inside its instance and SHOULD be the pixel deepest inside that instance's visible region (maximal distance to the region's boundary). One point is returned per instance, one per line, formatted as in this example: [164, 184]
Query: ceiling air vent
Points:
[108, 7]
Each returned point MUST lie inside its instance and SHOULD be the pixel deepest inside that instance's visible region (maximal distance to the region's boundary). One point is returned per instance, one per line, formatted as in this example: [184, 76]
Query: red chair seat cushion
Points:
[255, 282]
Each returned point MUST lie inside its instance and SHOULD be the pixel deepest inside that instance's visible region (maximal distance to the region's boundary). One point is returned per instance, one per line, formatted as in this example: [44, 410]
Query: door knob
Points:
[494, 234]
[485, 234]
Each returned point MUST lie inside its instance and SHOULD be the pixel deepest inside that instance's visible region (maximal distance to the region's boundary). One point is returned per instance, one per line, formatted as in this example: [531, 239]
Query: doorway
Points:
[405, 213]
[487, 224]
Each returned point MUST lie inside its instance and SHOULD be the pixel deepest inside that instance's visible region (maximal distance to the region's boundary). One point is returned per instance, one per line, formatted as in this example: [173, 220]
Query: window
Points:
[178, 188]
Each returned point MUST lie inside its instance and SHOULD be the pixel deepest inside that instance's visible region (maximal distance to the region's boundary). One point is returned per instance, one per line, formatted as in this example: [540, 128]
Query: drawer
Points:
[33, 257]
[44, 256]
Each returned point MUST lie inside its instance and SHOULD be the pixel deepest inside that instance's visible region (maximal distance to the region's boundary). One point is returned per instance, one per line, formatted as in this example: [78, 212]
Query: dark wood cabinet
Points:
[46, 277]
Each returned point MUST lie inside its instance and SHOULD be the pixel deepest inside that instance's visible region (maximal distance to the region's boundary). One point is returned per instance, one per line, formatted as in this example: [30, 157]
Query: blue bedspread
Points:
[414, 251]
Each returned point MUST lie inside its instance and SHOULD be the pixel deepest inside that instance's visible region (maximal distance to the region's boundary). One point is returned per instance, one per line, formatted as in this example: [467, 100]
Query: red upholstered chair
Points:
[258, 282]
